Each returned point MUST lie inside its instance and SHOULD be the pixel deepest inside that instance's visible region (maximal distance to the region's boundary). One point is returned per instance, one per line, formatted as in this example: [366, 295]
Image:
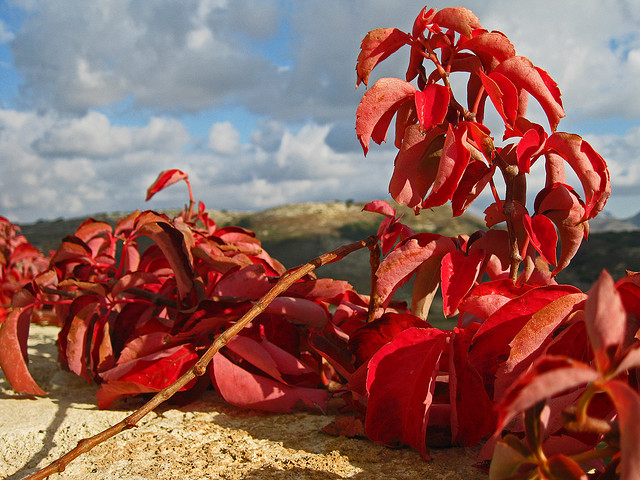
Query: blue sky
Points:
[256, 99]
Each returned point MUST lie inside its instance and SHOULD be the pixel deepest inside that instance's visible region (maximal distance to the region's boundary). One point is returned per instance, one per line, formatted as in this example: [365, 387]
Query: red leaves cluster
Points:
[136, 316]
[447, 154]
[547, 374]
[20, 262]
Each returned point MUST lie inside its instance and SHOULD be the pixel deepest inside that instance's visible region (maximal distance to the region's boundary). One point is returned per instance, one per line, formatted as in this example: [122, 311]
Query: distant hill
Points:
[605, 222]
[296, 233]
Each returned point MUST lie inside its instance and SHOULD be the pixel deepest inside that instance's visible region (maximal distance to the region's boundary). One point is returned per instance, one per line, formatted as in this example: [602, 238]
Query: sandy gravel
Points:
[207, 439]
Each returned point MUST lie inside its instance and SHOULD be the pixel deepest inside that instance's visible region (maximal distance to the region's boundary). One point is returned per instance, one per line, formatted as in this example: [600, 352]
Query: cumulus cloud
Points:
[58, 174]
[173, 56]
[94, 136]
[291, 66]
[224, 138]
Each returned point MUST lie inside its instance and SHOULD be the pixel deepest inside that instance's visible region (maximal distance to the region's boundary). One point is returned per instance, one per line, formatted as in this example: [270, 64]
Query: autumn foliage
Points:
[544, 375]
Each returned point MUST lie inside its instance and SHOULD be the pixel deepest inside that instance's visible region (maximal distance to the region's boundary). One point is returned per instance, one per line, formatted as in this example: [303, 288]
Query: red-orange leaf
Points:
[494, 44]
[165, 178]
[525, 76]
[453, 162]
[401, 382]
[459, 272]
[13, 351]
[542, 235]
[460, 19]
[589, 166]
[375, 47]
[378, 106]
[416, 165]
[503, 94]
[606, 321]
[432, 104]
[402, 262]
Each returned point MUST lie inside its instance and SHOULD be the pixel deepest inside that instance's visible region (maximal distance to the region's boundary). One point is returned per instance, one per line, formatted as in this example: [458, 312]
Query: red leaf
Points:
[503, 94]
[367, 340]
[562, 206]
[453, 162]
[84, 311]
[401, 263]
[322, 289]
[460, 19]
[432, 104]
[530, 146]
[375, 47]
[133, 280]
[546, 378]
[588, 165]
[472, 411]
[13, 351]
[564, 468]
[494, 44]
[347, 426]
[378, 106]
[173, 244]
[253, 352]
[487, 297]
[416, 165]
[475, 178]
[150, 373]
[165, 178]
[491, 342]
[606, 321]
[529, 342]
[401, 383]
[249, 282]
[525, 76]
[381, 207]
[627, 402]
[459, 272]
[543, 236]
[300, 311]
[247, 390]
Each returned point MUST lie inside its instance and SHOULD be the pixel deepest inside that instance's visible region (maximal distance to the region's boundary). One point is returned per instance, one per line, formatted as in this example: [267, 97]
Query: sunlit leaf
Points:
[401, 382]
[416, 165]
[375, 47]
[589, 166]
[605, 319]
[460, 19]
[378, 106]
[525, 76]
[432, 104]
[165, 179]
[13, 351]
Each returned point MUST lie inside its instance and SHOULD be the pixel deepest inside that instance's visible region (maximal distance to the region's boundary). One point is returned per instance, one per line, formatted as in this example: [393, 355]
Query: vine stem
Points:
[200, 367]
[510, 172]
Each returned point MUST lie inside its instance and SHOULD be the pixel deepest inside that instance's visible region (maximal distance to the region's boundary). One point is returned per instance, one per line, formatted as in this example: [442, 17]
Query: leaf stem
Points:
[374, 299]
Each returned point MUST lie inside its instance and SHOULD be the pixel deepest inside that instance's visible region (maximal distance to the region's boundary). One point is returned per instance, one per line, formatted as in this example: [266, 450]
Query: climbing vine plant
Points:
[544, 375]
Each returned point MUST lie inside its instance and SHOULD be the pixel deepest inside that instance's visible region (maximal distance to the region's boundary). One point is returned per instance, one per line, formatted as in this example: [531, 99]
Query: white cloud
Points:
[194, 55]
[93, 135]
[171, 56]
[49, 166]
[224, 138]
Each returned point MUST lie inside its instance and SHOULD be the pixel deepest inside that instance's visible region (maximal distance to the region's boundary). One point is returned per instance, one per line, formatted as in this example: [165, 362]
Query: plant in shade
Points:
[20, 262]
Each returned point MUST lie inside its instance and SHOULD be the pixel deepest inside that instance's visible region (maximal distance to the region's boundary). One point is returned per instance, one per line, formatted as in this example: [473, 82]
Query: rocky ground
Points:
[206, 439]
